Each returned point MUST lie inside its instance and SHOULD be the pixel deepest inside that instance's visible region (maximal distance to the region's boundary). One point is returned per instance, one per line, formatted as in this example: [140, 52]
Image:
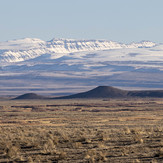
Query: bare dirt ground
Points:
[73, 131]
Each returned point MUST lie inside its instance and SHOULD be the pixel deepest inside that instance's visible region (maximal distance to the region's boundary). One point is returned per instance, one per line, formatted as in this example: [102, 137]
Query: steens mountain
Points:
[67, 66]
[25, 49]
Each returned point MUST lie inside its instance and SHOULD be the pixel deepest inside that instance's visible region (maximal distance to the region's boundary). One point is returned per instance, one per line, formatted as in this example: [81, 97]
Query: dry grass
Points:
[82, 131]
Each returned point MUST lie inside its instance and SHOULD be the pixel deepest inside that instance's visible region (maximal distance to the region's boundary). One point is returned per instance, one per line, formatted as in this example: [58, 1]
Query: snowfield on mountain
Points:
[70, 66]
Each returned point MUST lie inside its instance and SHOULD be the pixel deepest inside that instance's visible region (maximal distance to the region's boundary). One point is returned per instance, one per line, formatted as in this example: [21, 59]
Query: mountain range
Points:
[26, 49]
[67, 66]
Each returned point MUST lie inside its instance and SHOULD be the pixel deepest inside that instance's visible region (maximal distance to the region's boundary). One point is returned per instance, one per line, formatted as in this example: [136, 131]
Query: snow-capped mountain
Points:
[70, 66]
[25, 49]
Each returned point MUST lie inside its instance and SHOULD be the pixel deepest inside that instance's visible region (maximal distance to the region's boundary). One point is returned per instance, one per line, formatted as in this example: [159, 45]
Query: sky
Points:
[117, 20]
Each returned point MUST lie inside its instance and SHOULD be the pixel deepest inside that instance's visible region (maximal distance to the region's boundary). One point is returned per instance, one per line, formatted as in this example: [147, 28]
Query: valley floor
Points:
[103, 130]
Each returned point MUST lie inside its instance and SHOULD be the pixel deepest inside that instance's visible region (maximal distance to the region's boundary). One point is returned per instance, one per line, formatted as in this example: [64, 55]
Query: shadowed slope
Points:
[99, 92]
[152, 93]
[30, 96]
[111, 92]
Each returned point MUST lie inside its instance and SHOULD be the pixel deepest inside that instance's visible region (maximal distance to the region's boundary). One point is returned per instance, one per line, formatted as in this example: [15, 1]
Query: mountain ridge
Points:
[28, 48]
[30, 96]
[113, 92]
[100, 92]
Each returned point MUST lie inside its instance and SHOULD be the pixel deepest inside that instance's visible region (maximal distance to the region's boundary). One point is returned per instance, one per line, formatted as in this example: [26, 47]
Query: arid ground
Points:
[73, 131]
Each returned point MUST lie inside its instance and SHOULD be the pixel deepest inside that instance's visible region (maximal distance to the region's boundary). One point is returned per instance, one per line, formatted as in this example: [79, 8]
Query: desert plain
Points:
[82, 130]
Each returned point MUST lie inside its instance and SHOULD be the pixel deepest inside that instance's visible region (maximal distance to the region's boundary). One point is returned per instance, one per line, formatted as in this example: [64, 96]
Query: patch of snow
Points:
[28, 48]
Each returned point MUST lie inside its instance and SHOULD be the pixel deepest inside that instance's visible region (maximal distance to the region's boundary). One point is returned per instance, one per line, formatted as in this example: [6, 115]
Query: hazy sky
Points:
[117, 20]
